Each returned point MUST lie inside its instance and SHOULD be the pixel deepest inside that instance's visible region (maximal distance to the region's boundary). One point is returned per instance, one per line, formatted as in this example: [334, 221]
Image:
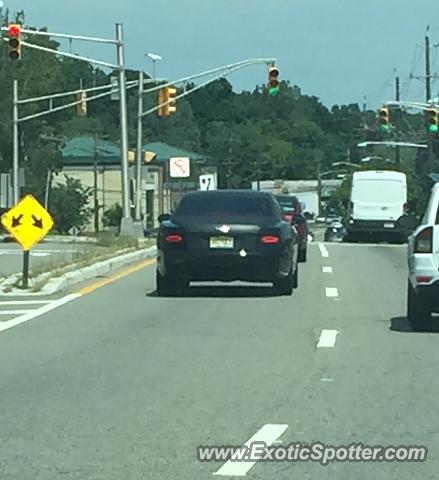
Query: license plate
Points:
[221, 242]
[389, 225]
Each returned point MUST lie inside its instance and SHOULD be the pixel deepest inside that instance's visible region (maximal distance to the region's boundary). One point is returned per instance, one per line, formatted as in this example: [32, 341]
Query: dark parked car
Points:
[292, 211]
[226, 235]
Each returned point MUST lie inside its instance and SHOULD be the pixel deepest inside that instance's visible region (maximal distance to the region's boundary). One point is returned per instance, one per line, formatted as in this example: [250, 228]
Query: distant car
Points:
[292, 210]
[423, 265]
[226, 235]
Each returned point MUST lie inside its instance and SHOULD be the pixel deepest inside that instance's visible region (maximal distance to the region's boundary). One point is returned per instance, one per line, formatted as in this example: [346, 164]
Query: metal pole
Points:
[15, 139]
[127, 223]
[25, 282]
[137, 213]
[397, 98]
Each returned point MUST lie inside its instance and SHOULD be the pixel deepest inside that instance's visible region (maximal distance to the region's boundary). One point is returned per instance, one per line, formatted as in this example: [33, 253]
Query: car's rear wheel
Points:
[303, 254]
[296, 277]
[167, 286]
[284, 285]
[418, 313]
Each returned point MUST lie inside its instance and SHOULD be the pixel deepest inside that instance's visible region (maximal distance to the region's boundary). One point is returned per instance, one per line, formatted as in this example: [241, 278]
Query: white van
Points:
[378, 200]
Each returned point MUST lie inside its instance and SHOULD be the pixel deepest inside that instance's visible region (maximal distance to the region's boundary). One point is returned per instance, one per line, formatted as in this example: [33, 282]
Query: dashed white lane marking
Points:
[38, 312]
[268, 434]
[327, 269]
[327, 339]
[331, 292]
[323, 250]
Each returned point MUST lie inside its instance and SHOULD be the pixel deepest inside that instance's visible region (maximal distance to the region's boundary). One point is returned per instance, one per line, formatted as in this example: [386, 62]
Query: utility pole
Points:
[397, 98]
[428, 93]
[427, 67]
[138, 195]
[95, 185]
[126, 227]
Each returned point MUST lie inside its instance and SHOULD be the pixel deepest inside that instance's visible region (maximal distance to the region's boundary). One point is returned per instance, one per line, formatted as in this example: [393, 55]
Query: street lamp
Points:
[155, 58]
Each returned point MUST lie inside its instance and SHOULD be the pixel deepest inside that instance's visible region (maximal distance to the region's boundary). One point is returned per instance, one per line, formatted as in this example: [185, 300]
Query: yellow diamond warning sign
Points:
[28, 222]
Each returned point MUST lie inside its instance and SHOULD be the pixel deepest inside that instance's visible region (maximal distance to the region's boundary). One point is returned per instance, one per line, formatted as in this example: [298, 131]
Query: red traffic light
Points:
[14, 30]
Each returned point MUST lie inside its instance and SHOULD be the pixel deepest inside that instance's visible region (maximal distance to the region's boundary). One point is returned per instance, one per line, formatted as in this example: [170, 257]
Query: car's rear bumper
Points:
[429, 294]
[373, 226]
[217, 267]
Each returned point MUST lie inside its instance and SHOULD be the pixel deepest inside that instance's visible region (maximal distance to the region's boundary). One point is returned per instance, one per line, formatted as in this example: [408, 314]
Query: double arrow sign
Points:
[28, 222]
[16, 221]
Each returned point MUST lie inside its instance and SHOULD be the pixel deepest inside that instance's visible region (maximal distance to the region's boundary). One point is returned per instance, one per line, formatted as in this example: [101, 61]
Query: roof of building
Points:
[80, 151]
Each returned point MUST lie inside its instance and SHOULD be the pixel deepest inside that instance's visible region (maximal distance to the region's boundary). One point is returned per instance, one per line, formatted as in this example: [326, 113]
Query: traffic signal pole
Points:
[15, 147]
[127, 225]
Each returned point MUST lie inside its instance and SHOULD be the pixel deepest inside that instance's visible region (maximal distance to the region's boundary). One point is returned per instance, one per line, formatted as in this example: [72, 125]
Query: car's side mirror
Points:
[407, 222]
[163, 217]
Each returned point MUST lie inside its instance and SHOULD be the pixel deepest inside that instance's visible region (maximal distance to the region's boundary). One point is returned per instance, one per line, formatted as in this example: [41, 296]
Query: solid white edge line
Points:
[327, 269]
[331, 292]
[327, 339]
[323, 250]
[38, 312]
[268, 434]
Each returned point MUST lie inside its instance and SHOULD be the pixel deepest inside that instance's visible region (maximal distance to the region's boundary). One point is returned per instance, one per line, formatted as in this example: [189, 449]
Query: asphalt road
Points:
[120, 384]
[11, 255]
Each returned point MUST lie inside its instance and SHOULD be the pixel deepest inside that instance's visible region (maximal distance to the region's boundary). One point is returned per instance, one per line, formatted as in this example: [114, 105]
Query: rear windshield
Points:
[378, 191]
[225, 205]
[287, 203]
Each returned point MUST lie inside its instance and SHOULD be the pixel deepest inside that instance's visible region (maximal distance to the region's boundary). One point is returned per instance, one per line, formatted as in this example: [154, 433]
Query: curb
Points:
[57, 284]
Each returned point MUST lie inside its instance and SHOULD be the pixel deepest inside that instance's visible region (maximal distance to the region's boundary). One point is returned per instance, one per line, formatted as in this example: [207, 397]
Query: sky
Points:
[336, 50]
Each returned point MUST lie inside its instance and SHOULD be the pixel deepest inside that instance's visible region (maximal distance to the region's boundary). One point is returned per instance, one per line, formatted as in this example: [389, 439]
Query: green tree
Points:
[69, 205]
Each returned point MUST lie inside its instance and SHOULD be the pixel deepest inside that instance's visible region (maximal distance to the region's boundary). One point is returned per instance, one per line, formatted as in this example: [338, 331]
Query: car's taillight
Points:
[288, 217]
[270, 239]
[424, 241]
[423, 279]
[174, 238]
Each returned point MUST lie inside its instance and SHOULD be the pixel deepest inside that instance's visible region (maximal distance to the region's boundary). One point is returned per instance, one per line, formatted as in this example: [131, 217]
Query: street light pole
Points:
[126, 227]
[15, 140]
[139, 150]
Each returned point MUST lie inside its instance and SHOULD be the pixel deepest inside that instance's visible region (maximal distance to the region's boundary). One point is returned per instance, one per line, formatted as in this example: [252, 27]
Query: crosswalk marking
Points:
[24, 302]
[13, 312]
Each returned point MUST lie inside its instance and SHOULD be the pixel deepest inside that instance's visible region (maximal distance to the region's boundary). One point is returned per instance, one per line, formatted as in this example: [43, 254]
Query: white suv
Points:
[423, 265]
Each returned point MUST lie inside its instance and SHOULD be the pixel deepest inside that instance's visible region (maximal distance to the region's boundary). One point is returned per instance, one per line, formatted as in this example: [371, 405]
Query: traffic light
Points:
[383, 119]
[167, 95]
[14, 33]
[81, 108]
[433, 120]
[273, 81]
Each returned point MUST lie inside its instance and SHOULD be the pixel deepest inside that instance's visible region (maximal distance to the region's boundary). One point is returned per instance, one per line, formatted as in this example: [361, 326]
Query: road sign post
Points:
[25, 269]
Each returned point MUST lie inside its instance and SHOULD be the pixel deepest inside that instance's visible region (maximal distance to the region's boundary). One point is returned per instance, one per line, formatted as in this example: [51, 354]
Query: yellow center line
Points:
[117, 276]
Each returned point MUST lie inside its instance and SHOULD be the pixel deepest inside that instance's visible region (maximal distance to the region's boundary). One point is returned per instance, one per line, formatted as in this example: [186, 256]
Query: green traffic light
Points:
[385, 128]
[433, 128]
[273, 91]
